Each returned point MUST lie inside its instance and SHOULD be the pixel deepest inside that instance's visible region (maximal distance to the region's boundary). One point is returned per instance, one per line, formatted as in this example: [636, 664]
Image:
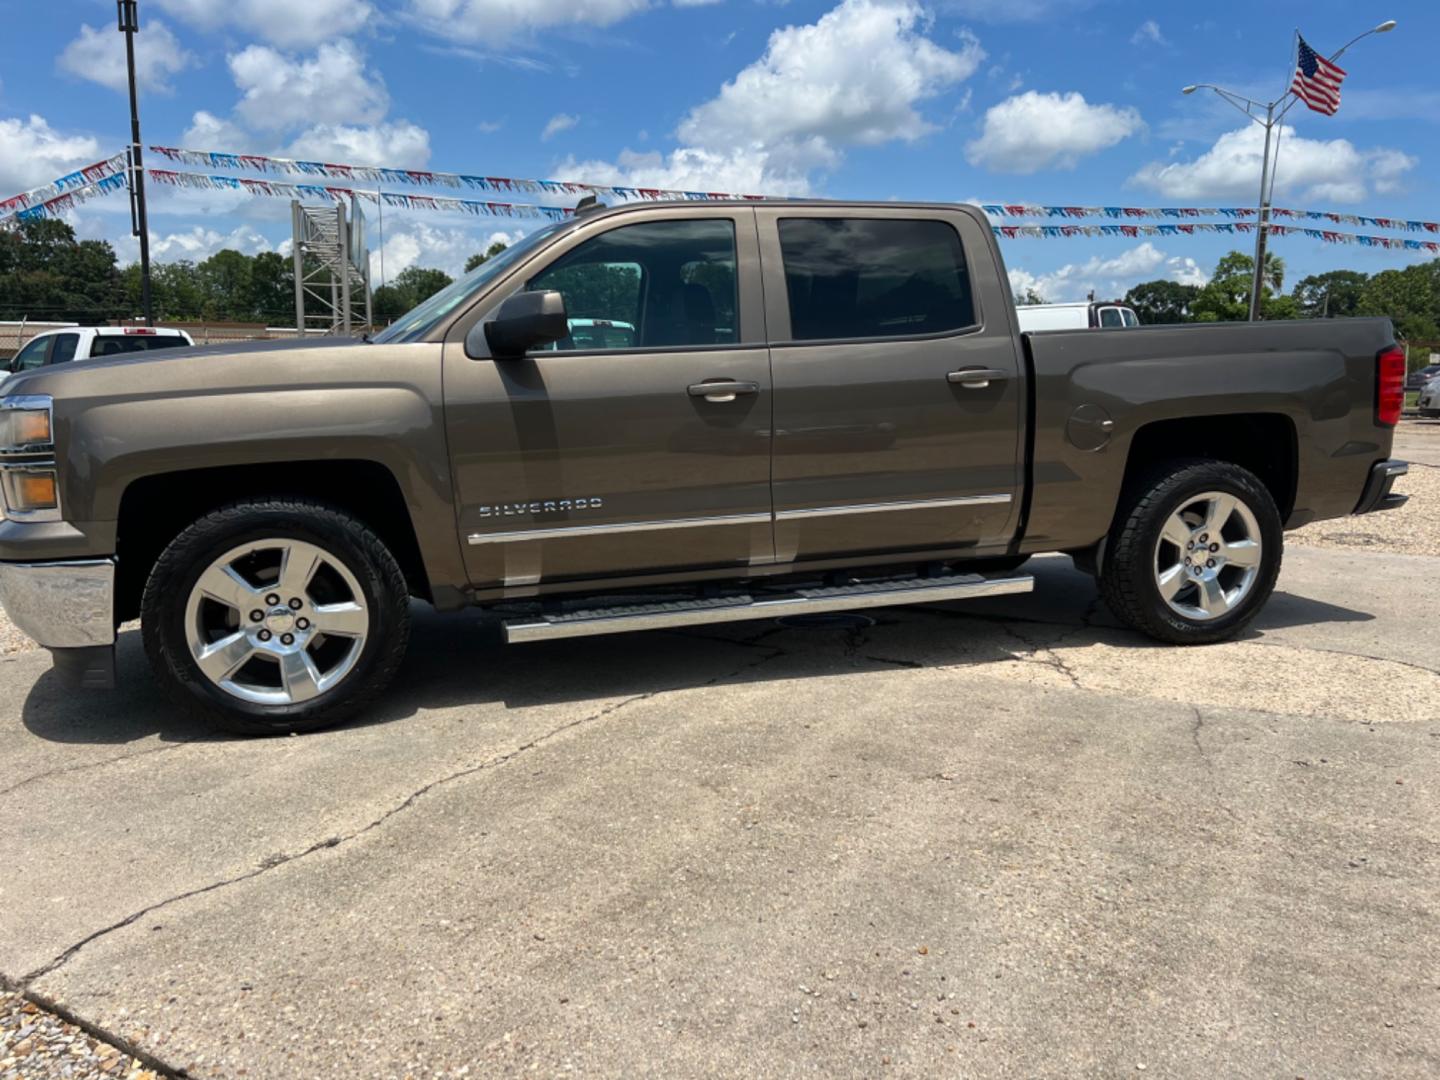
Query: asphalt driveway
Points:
[997, 839]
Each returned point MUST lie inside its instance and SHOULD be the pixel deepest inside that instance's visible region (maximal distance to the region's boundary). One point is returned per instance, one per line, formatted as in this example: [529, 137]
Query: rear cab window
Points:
[116, 344]
[858, 278]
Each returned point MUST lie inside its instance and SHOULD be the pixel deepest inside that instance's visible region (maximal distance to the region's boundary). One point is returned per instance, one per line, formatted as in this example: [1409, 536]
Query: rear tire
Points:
[1194, 552]
[275, 617]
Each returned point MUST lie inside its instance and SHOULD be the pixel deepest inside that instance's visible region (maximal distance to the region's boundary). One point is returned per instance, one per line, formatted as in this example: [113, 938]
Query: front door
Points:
[642, 441]
[898, 397]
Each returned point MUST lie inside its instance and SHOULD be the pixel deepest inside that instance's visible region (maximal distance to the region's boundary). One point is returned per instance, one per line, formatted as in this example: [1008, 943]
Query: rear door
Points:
[642, 441]
[898, 393]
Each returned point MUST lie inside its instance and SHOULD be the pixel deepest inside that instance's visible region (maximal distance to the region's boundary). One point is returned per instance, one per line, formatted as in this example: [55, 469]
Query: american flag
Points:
[1317, 81]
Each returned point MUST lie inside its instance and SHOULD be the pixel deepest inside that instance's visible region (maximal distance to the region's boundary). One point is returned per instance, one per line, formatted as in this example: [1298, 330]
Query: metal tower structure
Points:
[332, 269]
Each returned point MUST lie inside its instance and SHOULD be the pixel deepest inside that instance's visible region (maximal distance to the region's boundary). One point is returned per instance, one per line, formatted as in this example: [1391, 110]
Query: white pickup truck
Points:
[87, 342]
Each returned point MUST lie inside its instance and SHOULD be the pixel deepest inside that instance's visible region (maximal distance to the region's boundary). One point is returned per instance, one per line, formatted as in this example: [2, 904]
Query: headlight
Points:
[25, 425]
[28, 479]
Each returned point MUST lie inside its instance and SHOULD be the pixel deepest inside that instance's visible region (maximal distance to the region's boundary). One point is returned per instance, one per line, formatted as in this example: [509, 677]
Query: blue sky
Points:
[1046, 101]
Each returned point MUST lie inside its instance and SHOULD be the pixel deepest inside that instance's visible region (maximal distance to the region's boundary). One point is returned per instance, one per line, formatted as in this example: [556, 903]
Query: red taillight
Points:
[1389, 386]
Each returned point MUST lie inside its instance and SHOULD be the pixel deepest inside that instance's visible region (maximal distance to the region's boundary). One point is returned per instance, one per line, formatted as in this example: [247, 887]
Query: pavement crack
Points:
[1195, 734]
[276, 861]
[1045, 655]
[67, 769]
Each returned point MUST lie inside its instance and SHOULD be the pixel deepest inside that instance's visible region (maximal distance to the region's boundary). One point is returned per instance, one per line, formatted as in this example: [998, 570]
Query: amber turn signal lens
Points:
[36, 491]
[30, 427]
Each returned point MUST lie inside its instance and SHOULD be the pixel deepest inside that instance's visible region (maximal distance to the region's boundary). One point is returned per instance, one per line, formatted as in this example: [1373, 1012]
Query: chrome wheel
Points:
[276, 622]
[1208, 556]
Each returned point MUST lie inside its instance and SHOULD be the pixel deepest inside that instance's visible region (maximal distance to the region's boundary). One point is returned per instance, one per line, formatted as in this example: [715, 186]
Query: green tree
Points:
[225, 281]
[1335, 293]
[480, 258]
[1226, 298]
[47, 273]
[1162, 301]
[418, 283]
[272, 289]
[1408, 297]
[1029, 296]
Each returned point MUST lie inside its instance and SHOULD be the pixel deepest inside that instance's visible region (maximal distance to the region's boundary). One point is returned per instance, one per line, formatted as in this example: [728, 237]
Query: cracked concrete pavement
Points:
[999, 838]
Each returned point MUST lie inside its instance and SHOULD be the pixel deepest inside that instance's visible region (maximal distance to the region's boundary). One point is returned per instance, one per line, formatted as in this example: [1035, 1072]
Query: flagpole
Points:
[1267, 178]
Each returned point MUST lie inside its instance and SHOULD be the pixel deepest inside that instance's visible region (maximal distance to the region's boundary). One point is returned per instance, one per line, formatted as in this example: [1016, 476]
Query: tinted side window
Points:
[874, 278]
[64, 350]
[33, 355]
[656, 285]
[1110, 316]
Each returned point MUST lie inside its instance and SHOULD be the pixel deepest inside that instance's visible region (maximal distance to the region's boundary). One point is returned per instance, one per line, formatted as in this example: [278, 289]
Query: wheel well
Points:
[1264, 443]
[156, 509]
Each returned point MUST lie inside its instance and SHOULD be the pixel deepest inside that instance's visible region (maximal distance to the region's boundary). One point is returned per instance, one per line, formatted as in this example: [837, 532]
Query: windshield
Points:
[415, 324]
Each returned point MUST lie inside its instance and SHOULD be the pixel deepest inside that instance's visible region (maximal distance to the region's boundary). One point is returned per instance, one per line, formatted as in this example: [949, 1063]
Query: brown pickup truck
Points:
[662, 415]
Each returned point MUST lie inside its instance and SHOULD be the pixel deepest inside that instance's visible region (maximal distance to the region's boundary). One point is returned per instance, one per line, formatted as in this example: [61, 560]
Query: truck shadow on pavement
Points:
[459, 659]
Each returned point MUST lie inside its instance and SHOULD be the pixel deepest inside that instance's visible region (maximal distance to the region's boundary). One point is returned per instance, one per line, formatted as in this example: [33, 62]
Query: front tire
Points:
[275, 617]
[1194, 552]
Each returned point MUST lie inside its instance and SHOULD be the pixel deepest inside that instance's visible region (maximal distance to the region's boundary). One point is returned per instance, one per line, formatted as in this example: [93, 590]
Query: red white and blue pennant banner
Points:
[334, 193]
[260, 163]
[110, 168]
[1025, 210]
[1329, 236]
[108, 177]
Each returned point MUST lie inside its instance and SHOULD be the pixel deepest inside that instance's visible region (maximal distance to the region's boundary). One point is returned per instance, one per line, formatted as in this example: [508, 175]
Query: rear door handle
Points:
[977, 378]
[722, 390]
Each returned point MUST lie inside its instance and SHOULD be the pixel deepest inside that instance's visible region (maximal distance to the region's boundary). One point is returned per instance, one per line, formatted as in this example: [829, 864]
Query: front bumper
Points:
[1377, 494]
[61, 605]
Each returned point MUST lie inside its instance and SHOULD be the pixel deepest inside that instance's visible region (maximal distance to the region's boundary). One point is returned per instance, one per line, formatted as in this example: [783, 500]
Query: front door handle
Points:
[723, 390]
[977, 378]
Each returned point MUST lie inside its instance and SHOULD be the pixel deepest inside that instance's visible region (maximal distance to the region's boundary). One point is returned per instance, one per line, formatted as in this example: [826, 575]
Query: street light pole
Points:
[129, 18]
[1258, 282]
[1272, 118]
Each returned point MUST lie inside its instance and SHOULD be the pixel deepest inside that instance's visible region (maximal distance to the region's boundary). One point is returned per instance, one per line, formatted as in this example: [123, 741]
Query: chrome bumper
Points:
[61, 605]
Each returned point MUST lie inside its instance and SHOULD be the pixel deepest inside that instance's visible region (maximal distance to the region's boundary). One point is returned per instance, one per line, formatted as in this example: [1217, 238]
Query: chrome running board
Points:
[802, 601]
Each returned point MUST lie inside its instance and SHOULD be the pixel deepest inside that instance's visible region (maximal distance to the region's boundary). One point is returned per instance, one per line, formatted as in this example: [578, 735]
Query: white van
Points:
[88, 342]
[1077, 316]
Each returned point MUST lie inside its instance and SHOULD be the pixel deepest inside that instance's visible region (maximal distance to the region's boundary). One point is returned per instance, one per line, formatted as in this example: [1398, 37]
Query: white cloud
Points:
[1034, 131]
[282, 22]
[1324, 170]
[1148, 33]
[807, 95]
[497, 20]
[413, 242]
[210, 132]
[199, 243]
[99, 56]
[1109, 278]
[330, 87]
[558, 123]
[795, 109]
[33, 153]
[738, 172]
[398, 144]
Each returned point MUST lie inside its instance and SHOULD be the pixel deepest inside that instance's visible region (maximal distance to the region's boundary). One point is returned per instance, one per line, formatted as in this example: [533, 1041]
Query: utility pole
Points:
[129, 17]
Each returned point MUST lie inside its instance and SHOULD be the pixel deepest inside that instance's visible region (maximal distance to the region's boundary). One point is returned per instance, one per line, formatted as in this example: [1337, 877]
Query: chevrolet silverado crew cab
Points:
[661, 415]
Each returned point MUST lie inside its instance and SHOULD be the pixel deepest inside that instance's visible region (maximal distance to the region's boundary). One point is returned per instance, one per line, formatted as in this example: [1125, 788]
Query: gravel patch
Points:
[34, 1045]
[1414, 529]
